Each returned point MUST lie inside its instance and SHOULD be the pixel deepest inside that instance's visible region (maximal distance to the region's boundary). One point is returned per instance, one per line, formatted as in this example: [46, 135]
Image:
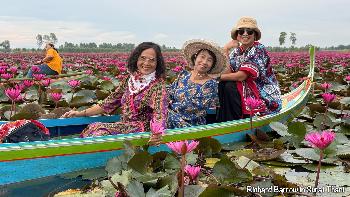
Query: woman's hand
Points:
[230, 45]
[73, 113]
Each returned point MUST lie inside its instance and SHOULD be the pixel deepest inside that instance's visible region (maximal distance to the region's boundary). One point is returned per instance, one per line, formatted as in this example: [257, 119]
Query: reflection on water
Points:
[47, 186]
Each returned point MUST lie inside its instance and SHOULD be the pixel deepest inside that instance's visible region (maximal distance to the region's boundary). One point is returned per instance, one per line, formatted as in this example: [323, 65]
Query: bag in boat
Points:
[23, 131]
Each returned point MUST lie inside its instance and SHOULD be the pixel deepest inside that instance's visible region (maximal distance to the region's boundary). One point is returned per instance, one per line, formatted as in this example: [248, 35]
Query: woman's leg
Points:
[230, 102]
[44, 69]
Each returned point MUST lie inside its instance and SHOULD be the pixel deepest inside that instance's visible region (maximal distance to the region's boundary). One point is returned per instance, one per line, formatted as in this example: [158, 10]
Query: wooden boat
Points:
[32, 160]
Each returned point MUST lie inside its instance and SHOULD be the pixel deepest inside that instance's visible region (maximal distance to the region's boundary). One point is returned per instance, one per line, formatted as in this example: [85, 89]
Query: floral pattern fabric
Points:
[261, 82]
[189, 101]
[137, 109]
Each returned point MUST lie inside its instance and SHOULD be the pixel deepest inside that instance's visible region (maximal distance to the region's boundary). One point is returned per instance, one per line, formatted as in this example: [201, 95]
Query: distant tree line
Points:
[127, 47]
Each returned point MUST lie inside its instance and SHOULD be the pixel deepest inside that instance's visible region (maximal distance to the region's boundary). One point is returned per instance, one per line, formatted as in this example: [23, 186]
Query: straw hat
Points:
[246, 22]
[191, 47]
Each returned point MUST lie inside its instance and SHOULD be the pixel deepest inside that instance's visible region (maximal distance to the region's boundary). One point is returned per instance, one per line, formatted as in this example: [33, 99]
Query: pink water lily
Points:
[320, 140]
[28, 83]
[328, 97]
[35, 69]
[182, 147]
[326, 86]
[253, 103]
[89, 72]
[39, 77]
[56, 96]
[157, 127]
[12, 93]
[13, 70]
[177, 69]
[7, 76]
[74, 83]
[46, 82]
[192, 171]
[347, 78]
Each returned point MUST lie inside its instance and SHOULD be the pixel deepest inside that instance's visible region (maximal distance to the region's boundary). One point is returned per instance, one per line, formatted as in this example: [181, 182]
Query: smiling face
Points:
[246, 37]
[147, 62]
[203, 62]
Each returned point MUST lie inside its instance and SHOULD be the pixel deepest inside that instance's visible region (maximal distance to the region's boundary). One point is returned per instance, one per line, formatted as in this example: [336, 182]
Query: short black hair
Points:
[212, 54]
[135, 54]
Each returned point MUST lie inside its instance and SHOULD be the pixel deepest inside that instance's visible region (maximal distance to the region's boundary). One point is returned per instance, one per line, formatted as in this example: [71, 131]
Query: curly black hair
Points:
[135, 54]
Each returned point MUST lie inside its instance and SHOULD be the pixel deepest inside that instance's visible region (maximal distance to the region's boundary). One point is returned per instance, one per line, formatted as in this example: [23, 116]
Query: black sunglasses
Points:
[249, 31]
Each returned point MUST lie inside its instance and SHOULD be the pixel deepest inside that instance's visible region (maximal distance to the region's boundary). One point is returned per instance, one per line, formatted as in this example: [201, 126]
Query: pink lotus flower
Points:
[35, 69]
[182, 147]
[74, 83]
[106, 78]
[12, 93]
[326, 85]
[177, 69]
[320, 140]
[13, 70]
[20, 87]
[118, 194]
[89, 72]
[192, 171]
[253, 103]
[28, 83]
[328, 97]
[7, 76]
[347, 78]
[39, 77]
[56, 96]
[46, 82]
[156, 127]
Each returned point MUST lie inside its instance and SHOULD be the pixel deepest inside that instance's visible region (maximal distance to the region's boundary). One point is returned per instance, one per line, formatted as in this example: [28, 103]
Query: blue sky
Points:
[318, 22]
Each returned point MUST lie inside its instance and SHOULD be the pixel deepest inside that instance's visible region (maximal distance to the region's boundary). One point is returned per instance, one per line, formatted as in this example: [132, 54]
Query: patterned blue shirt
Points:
[189, 101]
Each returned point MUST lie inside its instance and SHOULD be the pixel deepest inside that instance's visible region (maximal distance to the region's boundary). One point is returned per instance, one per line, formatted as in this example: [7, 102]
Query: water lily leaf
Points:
[234, 145]
[191, 158]
[193, 190]
[87, 174]
[321, 121]
[162, 192]
[223, 191]
[343, 151]
[171, 181]
[135, 189]
[244, 152]
[340, 138]
[101, 94]
[171, 162]
[289, 158]
[266, 154]
[208, 146]
[311, 154]
[83, 97]
[245, 162]
[345, 100]
[297, 129]
[260, 171]
[345, 129]
[280, 128]
[107, 86]
[210, 162]
[21, 115]
[140, 162]
[227, 172]
[119, 163]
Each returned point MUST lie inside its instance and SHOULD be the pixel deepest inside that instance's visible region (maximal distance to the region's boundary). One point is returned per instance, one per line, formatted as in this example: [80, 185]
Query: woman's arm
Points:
[94, 110]
[236, 76]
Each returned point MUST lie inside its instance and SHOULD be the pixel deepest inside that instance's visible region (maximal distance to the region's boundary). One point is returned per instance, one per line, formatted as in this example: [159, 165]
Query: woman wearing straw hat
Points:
[193, 92]
[250, 74]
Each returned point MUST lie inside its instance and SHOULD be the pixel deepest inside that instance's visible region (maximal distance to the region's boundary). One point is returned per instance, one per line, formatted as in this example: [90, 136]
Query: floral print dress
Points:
[261, 82]
[189, 101]
[137, 109]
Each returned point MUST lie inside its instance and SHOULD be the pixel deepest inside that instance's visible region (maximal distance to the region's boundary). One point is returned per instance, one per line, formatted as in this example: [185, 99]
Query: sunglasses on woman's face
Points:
[242, 30]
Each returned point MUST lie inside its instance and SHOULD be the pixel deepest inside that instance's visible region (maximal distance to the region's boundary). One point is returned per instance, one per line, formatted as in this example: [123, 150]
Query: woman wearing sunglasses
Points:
[249, 75]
